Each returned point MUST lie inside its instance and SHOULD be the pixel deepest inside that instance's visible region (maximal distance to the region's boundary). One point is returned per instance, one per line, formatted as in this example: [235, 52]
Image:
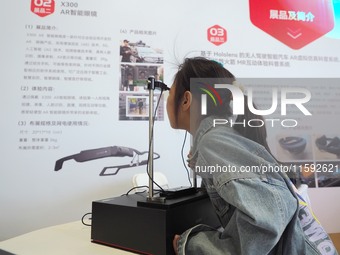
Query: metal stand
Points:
[151, 86]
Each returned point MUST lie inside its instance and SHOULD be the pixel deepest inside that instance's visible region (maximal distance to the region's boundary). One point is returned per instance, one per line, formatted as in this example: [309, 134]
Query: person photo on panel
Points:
[129, 83]
[142, 79]
[260, 212]
[125, 51]
[140, 106]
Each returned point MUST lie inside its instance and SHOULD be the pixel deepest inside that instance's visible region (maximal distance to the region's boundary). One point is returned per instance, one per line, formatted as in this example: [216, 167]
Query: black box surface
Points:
[131, 223]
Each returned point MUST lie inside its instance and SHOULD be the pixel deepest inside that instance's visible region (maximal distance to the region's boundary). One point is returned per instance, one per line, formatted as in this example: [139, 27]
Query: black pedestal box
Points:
[131, 223]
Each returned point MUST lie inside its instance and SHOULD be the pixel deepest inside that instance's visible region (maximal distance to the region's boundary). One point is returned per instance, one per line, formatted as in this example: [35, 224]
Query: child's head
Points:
[184, 101]
[197, 67]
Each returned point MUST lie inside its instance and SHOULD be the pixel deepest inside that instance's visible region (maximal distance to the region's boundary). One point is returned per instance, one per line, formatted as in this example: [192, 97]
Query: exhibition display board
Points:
[73, 77]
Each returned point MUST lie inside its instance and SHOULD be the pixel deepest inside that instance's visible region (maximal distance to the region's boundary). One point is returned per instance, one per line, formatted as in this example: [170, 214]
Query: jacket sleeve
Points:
[256, 225]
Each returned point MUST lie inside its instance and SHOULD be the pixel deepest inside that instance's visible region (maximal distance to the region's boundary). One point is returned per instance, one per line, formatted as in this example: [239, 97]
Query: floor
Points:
[336, 240]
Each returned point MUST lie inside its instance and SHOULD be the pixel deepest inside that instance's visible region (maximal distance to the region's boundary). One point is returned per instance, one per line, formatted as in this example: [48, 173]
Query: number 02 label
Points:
[42, 7]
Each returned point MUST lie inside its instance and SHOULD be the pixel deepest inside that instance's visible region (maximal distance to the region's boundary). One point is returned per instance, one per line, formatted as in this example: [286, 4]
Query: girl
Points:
[259, 212]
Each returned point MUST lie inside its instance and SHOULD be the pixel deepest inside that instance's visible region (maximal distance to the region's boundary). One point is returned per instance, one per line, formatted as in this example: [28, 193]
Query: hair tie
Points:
[219, 63]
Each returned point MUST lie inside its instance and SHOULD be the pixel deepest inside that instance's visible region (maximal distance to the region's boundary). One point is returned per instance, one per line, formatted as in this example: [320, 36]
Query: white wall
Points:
[32, 195]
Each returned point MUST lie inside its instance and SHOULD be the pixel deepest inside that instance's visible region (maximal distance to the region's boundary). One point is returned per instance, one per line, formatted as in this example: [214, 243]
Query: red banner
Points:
[295, 23]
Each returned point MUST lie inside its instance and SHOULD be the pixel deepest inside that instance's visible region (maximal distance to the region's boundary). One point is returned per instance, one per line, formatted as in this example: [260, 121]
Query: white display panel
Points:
[67, 88]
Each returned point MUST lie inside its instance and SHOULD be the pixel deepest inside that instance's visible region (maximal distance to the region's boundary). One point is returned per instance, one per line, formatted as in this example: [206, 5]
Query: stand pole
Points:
[151, 86]
[150, 163]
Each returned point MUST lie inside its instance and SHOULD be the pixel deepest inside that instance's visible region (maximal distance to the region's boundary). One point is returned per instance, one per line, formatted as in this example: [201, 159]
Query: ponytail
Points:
[257, 132]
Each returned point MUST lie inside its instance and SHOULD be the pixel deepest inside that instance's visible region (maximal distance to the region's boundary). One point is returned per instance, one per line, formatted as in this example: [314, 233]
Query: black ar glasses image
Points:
[112, 151]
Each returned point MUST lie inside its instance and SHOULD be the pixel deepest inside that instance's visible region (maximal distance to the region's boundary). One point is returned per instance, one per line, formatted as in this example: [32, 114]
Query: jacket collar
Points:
[205, 125]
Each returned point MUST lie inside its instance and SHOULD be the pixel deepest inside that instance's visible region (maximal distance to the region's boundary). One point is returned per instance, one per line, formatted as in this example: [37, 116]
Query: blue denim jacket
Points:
[258, 211]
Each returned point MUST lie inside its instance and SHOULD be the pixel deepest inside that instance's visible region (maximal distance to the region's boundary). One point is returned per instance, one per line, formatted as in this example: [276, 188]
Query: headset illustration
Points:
[293, 144]
[330, 145]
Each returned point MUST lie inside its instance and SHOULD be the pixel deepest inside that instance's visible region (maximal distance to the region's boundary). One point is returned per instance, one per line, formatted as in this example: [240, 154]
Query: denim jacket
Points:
[258, 211]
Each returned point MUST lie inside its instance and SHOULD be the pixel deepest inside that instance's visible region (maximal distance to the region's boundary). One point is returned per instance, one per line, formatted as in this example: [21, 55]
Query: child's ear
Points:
[187, 100]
